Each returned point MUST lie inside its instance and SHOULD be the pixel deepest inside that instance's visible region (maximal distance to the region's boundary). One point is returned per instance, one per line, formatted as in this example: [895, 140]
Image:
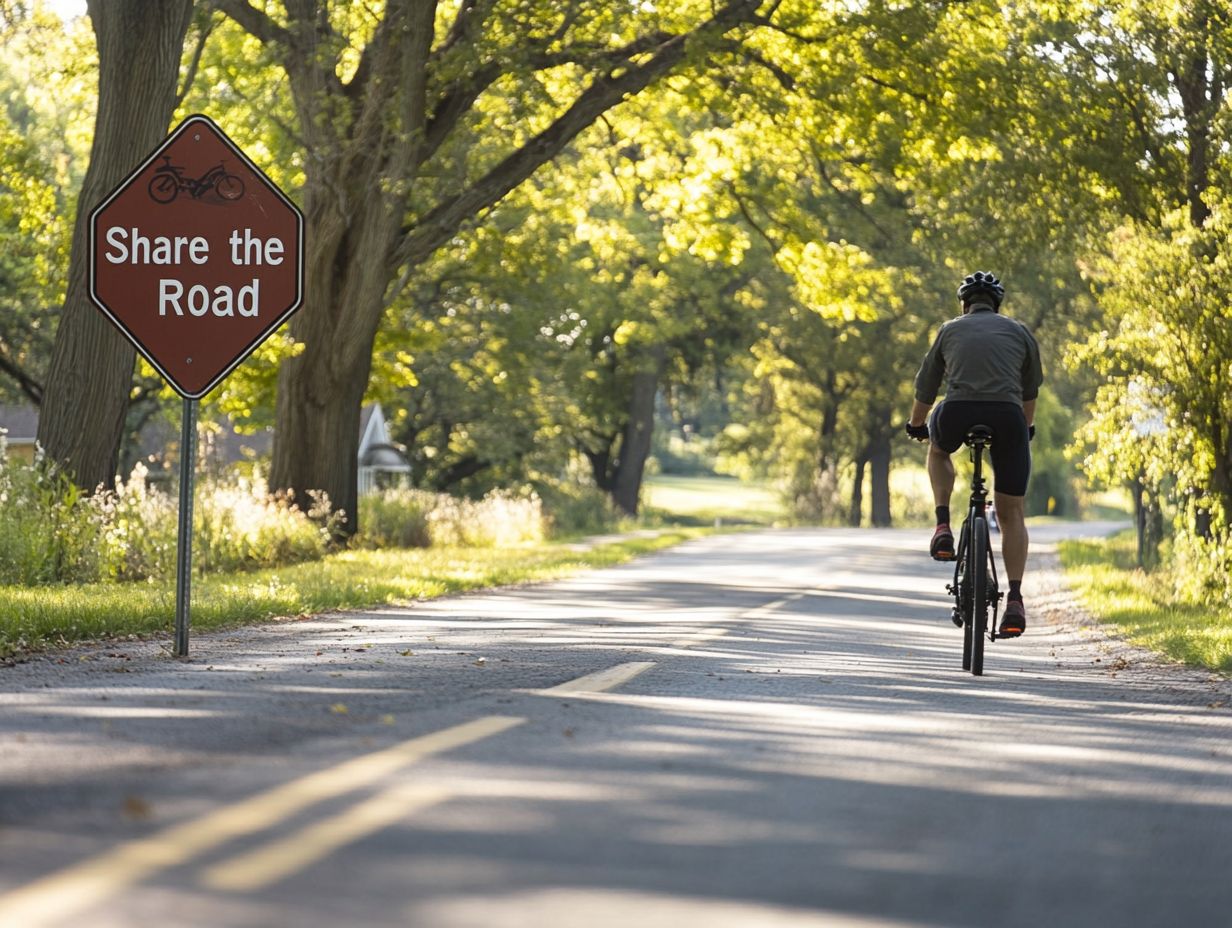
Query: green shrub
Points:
[394, 519]
[52, 532]
[1201, 567]
[237, 526]
[575, 509]
[501, 519]
[49, 529]
[139, 530]
[418, 519]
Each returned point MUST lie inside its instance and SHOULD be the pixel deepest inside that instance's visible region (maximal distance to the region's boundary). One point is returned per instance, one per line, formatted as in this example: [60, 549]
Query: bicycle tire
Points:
[962, 592]
[163, 188]
[962, 589]
[229, 187]
[979, 592]
[966, 662]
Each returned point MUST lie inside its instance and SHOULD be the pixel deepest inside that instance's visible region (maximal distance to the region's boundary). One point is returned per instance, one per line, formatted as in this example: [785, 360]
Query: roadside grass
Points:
[32, 618]
[710, 499]
[1142, 606]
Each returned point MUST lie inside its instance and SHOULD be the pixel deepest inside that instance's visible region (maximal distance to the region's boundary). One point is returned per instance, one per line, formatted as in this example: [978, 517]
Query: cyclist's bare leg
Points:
[1011, 514]
[940, 475]
[1014, 553]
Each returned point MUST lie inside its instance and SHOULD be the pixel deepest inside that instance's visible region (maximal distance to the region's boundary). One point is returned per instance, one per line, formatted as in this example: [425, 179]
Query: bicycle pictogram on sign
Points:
[169, 180]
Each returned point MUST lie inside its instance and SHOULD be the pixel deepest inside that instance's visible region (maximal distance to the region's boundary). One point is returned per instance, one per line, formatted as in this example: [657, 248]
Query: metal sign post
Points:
[183, 556]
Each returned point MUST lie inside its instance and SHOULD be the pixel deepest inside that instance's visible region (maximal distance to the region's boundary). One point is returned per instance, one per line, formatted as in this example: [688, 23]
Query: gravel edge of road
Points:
[1055, 604]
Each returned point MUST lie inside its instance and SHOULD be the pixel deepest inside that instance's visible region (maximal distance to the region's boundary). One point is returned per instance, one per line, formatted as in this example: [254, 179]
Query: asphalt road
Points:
[765, 729]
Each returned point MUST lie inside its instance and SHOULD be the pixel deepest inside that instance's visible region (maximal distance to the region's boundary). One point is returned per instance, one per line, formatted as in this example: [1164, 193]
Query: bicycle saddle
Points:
[980, 434]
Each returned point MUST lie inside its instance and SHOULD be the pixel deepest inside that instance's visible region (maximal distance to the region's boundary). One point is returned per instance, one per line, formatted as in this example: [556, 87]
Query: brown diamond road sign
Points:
[197, 257]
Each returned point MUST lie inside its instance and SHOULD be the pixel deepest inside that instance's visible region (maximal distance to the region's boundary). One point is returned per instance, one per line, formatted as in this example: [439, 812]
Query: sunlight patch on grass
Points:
[1142, 606]
[702, 500]
[32, 618]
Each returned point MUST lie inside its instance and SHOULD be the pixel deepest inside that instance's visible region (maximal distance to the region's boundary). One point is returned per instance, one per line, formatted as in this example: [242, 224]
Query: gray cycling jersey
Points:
[982, 356]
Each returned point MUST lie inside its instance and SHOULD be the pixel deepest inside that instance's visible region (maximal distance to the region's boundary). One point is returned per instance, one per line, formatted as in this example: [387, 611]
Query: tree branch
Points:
[756, 226]
[914, 94]
[471, 14]
[198, 50]
[605, 91]
[27, 384]
[253, 21]
[414, 80]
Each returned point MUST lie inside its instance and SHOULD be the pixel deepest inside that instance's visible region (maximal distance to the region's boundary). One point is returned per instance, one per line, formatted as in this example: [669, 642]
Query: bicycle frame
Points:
[193, 186]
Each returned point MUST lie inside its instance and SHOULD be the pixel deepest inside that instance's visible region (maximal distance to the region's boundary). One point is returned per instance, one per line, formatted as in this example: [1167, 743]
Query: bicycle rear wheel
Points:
[978, 571]
[163, 188]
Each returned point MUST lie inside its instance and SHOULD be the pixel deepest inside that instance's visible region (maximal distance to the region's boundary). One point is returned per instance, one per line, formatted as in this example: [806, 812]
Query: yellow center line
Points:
[600, 681]
[68, 892]
[284, 856]
[762, 611]
[273, 861]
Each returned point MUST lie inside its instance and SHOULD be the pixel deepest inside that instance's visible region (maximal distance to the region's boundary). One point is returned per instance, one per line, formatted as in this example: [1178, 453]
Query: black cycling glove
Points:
[918, 432]
[1030, 433]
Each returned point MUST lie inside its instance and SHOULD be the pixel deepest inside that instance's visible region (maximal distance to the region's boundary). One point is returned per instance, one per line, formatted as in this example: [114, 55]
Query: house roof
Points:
[385, 457]
[21, 423]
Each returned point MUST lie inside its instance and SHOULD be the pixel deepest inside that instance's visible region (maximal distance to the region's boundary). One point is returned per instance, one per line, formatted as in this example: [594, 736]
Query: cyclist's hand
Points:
[918, 432]
[1030, 433]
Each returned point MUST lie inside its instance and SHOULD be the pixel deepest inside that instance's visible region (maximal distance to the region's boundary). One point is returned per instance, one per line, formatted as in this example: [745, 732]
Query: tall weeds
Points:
[51, 532]
[419, 519]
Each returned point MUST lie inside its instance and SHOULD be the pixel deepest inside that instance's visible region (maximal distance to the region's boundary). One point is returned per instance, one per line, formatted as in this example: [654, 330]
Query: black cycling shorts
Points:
[1010, 450]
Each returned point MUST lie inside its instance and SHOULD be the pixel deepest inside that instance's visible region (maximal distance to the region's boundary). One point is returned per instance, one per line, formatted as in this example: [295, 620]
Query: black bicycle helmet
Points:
[981, 282]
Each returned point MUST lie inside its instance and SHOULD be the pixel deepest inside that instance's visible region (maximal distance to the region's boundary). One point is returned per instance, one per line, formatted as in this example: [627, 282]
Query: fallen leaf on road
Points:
[339, 708]
[136, 808]
[407, 653]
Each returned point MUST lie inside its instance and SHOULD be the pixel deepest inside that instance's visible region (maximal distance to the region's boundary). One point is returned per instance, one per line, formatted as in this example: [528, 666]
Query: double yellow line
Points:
[68, 892]
[78, 887]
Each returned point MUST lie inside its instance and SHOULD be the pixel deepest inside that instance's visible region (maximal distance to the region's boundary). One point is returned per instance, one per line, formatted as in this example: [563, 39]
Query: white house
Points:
[19, 426]
[381, 464]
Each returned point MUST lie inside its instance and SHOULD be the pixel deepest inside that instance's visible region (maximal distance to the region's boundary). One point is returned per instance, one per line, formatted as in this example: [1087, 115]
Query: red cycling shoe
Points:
[942, 546]
[1014, 621]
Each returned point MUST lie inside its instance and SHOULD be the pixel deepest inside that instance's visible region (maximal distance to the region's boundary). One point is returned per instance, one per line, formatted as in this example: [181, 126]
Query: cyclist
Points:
[991, 366]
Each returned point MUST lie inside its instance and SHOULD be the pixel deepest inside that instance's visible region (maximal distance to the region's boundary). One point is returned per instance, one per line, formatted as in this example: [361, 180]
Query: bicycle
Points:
[169, 180]
[975, 588]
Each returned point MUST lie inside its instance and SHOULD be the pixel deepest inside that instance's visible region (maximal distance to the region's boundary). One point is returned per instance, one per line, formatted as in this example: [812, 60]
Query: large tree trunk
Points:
[1201, 94]
[321, 391]
[81, 419]
[601, 466]
[856, 513]
[879, 473]
[639, 429]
